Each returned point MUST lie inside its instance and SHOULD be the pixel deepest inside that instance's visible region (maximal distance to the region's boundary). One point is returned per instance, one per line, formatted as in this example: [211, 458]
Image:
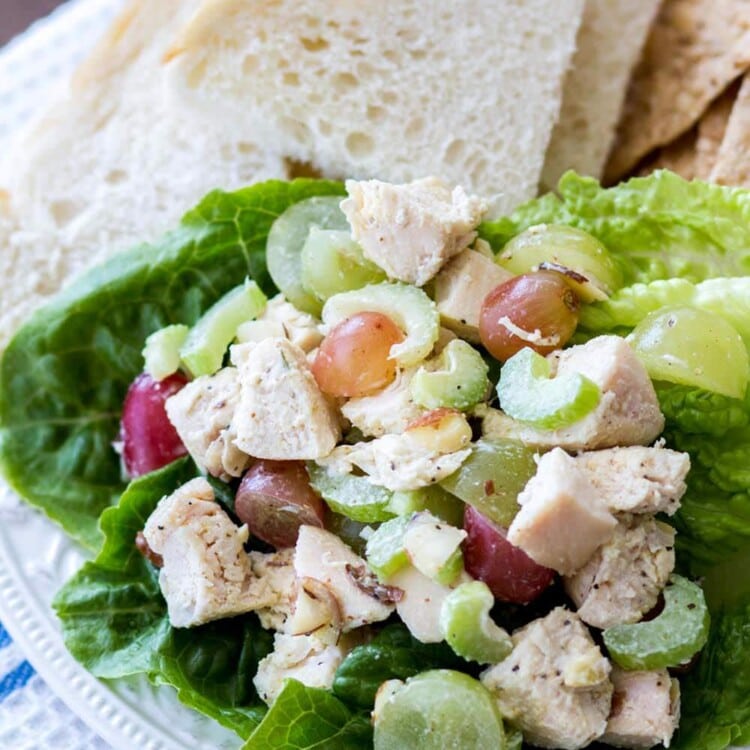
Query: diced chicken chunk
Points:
[460, 288]
[555, 684]
[206, 574]
[301, 657]
[561, 522]
[202, 413]
[411, 230]
[389, 411]
[282, 413]
[637, 479]
[628, 412]
[396, 462]
[302, 329]
[623, 579]
[321, 555]
[419, 607]
[276, 572]
[645, 709]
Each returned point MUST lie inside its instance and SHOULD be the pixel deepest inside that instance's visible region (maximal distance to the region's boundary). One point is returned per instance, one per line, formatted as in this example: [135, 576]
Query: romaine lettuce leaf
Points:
[727, 297]
[657, 227]
[64, 375]
[114, 619]
[394, 654]
[715, 708]
[305, 718]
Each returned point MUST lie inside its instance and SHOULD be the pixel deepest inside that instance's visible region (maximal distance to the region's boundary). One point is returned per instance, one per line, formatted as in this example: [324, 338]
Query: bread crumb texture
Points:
[183, 97]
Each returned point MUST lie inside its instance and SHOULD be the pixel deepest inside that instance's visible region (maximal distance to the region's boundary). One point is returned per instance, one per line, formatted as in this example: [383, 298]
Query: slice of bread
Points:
[610, 41]
[184, 96]
[113, 163]
[466, 90]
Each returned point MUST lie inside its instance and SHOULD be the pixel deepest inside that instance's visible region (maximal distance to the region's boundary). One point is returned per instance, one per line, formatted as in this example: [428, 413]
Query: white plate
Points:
[36, 558]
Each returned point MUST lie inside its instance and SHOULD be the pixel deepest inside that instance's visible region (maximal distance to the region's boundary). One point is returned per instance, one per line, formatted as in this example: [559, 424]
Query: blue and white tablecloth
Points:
[32, 717]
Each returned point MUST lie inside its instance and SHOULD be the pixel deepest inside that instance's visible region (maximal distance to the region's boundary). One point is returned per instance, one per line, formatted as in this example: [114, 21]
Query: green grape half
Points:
[492, 477]
[693, 347]
[286, 240]
[437, 710]
[587, 264]
[332, 262]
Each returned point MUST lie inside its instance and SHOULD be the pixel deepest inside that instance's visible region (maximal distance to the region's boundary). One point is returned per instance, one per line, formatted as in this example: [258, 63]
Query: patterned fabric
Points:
[31, 715]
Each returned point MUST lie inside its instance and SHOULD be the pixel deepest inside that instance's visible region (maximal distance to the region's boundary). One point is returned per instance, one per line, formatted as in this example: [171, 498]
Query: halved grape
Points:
[354, 359]
[407, 306]
[350, 495]
[585, 262]
[670, 639]
[332, 262]
[286, 240]
[468, 628]
[436, 710]
[149, 441]
[528, 394]
[509, 572]
[203, 350]
[693, 347]
[275, 498]
[536, 310]
[492, 477]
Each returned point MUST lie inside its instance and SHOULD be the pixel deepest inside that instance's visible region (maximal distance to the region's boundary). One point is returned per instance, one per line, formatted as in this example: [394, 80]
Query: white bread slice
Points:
[112, 163]
[610, 41]
[466, 90]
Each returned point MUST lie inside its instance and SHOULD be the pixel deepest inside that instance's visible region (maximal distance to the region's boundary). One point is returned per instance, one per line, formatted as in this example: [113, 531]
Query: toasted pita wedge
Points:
[732, 165]
[695, 49]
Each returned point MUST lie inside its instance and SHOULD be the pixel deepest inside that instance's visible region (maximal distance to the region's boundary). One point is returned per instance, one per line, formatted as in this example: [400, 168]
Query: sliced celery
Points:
[409, 307]
[468, 628]
[670, 639]
[350, 495]
[528, 394]
[203, 351]
[459, 381]
[162, 351]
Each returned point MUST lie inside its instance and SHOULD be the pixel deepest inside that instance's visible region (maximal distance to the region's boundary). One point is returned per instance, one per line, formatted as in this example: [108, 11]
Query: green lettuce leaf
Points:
[394, 654]
[65, 373]
[715, 708]
[114, 619]
[305, 718]
[657, 227]
[727, 297]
